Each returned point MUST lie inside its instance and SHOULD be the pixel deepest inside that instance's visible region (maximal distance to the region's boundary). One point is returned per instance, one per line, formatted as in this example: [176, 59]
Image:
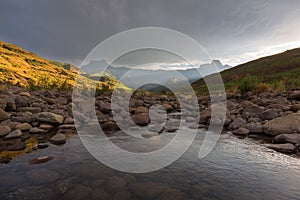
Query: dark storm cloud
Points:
[68, 29]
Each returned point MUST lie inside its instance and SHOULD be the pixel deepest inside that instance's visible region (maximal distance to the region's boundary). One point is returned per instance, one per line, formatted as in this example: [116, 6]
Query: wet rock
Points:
[58, 139]
[238, 122]
[4, 130]
[148, 190]
[269, 114]
[283, 148]
[287, 138]
[43, 145]
[4, 115]
[50, 118]
[283, 125]
[24, 127]
[115, 184]
[14, 134]
[40, 160]
[241, 132]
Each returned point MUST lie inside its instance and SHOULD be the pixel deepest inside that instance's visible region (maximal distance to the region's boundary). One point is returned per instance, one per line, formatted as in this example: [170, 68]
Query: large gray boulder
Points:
[283, 125]
[50, 118]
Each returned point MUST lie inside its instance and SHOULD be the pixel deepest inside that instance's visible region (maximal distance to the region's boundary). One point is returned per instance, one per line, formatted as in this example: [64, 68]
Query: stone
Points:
[4, 115]
[40, 160]
[3, 104]
[49, 117]
[9, 123]
[295, 95]
[43, 145]
[36, 130]
[10, 105]
[287, 138]
[33, 110]
[253, 109]
[69, 120]
[254, 127]
[24, 127]
[17, 146]
[149, 134]
[105, 107]
[58, 139]
[269, 114]
[238, 122]
[141, 109]
[141, 119]
[46, 126]
[24, 94]
[241, 132]
[283, 148]
[4, 130]
[14, 134]
[115, 184]
[110, 126]
[283, 125]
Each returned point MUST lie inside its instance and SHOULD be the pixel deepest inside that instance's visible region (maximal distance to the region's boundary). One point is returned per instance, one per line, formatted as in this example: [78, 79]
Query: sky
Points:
[233, 31]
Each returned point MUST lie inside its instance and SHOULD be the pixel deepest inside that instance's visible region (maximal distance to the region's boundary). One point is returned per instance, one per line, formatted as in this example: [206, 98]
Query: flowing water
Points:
[235, 169]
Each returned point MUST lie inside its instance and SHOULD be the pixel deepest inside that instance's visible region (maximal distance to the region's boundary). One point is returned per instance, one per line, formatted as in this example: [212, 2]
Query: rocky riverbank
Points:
[30, 120]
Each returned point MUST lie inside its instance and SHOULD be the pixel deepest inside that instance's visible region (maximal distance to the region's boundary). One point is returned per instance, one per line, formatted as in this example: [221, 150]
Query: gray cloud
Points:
[68, 29]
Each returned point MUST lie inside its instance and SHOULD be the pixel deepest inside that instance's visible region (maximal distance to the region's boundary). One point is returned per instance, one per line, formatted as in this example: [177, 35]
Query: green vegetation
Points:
[278, 72]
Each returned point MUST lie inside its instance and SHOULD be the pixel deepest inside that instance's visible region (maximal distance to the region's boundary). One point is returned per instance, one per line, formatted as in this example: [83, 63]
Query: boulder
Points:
[36, 130]
[58, 139]
[10, 105]
[254, 127]
[287, 138]
[283, 148]
[4, 115]
[283, 125]
[253, 109]
[105, 107]
[50, 118]
[33, 110]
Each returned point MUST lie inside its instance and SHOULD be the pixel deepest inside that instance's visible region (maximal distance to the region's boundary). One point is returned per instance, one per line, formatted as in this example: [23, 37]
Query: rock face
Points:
[49, 117]
[287, 138]
[283, 148]
[283, 125]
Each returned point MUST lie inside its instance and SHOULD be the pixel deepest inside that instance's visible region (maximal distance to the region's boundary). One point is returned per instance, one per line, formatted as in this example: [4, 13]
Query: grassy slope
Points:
[25, 69]
[280, 72]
